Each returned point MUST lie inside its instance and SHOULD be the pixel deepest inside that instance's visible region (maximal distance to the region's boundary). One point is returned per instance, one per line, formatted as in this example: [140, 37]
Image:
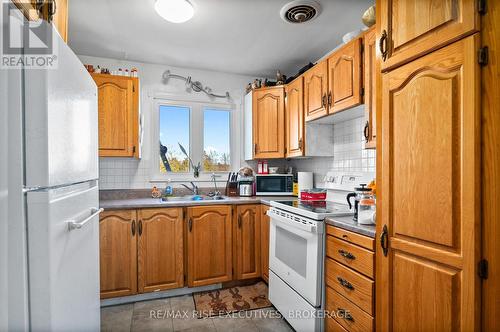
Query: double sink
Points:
[189, 198]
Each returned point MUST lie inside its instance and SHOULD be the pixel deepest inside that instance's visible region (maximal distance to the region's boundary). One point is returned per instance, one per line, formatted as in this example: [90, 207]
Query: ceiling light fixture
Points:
[175, 11]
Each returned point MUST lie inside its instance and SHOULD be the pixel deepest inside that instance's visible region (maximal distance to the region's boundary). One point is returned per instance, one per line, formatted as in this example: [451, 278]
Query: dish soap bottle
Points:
[168, 189]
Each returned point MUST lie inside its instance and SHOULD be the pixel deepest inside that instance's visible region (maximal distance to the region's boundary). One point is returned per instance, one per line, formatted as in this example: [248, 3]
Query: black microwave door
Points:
[271, 184]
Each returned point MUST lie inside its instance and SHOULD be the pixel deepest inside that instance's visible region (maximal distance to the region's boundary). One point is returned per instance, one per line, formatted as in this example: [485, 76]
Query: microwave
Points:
[274, 184]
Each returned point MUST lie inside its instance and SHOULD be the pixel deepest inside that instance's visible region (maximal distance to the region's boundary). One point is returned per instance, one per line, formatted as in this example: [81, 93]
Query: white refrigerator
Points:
[53, 198]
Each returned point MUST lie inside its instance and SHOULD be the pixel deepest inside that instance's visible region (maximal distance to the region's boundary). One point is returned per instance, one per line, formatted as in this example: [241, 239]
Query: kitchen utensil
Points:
[358, 195]
[273, 170]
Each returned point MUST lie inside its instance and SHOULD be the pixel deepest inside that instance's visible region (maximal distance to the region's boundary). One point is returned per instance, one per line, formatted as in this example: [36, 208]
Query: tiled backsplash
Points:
[123, 173]
[348, 155]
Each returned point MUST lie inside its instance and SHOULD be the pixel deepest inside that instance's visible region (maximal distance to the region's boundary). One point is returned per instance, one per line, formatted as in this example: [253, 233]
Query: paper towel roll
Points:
[305, 180]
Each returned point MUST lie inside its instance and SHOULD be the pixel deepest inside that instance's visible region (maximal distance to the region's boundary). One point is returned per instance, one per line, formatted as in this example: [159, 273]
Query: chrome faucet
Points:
[217, 194]
[194, 189]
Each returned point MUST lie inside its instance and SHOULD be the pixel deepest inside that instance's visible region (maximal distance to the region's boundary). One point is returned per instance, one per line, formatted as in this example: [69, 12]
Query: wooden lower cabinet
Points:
[118, 253]
[349, 273]
[246, 242]
[209, 245]
[265, 223]
[160, 249]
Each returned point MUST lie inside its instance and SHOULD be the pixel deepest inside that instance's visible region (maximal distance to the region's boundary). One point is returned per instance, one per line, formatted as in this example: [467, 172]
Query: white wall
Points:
[127, 173]
[349, 154]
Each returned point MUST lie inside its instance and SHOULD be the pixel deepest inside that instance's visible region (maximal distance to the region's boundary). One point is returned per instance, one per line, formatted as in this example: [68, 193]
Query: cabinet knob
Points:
[329, 99]
[140, 227]
[190, 224]
[133, 227]
[323, 101]
[366, 131]
[300, 143]
[382, 45]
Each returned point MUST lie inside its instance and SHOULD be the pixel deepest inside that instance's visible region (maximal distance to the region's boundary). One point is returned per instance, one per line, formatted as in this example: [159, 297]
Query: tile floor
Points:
[176, 314]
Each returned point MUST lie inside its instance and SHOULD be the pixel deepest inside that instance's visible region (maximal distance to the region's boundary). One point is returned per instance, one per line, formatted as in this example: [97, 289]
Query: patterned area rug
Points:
[229, 300]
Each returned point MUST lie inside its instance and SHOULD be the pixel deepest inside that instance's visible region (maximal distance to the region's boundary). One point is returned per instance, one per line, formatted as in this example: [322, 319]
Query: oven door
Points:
[296, 256]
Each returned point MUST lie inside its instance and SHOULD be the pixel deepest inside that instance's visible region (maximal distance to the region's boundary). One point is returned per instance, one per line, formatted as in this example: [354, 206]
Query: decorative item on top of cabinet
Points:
[160, 249]
[294, 118]
[246, 242]
[345, 77]
[409, 29]
[264, 241]
[209, 240]
[315, 91]
[268, 121]
[118, 102]
[118, 253]
[430, 255]
[371, 88]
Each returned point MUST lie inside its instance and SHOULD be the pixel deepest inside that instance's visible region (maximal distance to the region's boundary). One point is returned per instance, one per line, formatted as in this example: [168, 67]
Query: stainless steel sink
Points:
[191, 198]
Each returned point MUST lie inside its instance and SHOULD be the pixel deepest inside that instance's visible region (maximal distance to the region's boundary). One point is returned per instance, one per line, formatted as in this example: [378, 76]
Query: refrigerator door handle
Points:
[73, 224]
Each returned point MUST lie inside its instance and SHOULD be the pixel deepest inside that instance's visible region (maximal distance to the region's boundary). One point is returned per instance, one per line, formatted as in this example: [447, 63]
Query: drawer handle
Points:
[345, 283]
[346, 254]
[345, 314]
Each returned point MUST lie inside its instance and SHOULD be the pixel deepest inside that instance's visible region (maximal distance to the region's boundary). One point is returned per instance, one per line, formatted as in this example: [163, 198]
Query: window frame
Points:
[196, 139]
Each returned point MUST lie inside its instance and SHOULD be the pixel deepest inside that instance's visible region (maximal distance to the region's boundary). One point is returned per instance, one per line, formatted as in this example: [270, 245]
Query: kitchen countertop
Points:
[138, 203]
[350, 225]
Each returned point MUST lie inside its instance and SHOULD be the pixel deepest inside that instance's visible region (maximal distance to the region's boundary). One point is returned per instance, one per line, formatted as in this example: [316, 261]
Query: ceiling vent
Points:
[300, 11]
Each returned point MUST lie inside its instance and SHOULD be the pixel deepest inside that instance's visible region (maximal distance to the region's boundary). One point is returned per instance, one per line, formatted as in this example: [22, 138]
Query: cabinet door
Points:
[61, 18]
[412, 28]
[315, 91]
[118, 253]
[117, 116]
[265, 223]
[294, 109]
[430, 170]
[209, 238]
[269, 123]
[344, 77]
[161, 247]
[246, 242]
[370, 84]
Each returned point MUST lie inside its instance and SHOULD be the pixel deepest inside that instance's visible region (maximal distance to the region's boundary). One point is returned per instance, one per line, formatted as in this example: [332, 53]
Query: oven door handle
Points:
[288, 222]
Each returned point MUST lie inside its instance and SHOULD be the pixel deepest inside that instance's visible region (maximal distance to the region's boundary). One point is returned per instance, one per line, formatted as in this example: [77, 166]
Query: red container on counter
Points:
[313, 195]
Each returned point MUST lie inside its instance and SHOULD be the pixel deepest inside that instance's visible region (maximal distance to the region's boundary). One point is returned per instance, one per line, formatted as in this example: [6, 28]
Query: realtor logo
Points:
[26, 44]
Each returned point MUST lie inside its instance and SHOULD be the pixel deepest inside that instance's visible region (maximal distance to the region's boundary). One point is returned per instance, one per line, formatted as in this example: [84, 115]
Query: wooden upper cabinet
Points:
[160, 251]
[269, 122]
[209, 239]
[265, 223]
[370, 84]
[315, 91]
[59, 19]
[431, 179]
[118, 253]
[344, 77]
[246, 242]
[294, 110]
[118, 115]
[412, 28]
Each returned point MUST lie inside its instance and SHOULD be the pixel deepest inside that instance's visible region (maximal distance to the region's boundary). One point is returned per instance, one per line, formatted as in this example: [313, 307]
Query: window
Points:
[216, 142]
[203, 130]
[174, 131]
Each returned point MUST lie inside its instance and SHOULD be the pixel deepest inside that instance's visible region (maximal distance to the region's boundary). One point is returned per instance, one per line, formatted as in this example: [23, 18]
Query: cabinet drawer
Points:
[360, 240]
[355, 319]
[354, 286]
[331, 325]
[350, 255]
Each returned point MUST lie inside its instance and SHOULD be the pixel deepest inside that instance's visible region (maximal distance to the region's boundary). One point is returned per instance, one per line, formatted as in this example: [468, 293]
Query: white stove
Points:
[317, 210]
[296, 251]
